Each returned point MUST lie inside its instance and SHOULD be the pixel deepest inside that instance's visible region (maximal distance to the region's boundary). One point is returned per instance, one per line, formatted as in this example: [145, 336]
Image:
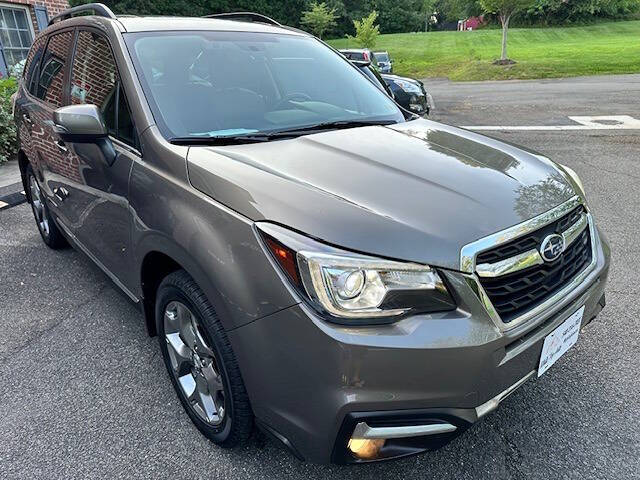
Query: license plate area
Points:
[560, 340]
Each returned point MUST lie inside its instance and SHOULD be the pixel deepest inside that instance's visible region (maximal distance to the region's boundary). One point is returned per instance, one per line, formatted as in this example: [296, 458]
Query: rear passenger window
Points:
[94, 80]
[32, 66]
[49, 86]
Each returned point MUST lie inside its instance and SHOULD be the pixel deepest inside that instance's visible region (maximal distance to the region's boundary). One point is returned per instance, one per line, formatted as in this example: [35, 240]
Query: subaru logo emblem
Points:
[552, 247]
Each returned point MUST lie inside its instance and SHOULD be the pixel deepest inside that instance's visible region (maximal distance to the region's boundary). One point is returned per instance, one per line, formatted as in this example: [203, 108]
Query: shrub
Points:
[366, 30]
[7, 127]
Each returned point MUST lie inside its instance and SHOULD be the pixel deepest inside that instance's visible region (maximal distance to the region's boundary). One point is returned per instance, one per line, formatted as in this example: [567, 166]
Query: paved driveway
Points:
[84, 393]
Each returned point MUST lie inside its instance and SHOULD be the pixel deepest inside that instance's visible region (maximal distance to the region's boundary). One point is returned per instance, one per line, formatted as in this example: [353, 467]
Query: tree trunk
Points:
[504, 19]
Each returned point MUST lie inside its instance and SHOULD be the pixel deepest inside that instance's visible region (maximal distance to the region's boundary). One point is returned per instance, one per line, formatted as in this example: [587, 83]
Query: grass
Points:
[604, 48]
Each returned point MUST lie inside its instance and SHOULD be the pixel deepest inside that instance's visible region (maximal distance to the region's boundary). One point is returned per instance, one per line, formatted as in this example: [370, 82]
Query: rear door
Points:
[25, 102]
[47, 86]
[98, 207]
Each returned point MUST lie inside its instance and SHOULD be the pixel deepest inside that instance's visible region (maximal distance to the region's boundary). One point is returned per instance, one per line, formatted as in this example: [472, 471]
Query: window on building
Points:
[15, 33]
[50, 83]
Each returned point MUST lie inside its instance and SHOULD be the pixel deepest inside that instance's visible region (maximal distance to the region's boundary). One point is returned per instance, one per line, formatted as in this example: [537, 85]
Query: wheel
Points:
[47, 227]
[200, 362]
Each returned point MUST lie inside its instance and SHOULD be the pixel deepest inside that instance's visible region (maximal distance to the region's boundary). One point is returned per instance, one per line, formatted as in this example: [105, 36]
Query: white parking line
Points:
[3, 204]
[600, 122]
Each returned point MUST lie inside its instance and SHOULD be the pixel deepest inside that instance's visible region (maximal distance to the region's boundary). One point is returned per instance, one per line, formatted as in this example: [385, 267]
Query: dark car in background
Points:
[374, 76]
[384, 62]
[410, 94]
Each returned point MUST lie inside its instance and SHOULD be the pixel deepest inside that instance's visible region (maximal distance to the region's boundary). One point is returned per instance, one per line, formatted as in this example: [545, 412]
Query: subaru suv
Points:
[359, 283]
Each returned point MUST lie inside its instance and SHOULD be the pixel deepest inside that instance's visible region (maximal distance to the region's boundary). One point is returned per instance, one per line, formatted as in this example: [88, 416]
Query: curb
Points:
[13, 199]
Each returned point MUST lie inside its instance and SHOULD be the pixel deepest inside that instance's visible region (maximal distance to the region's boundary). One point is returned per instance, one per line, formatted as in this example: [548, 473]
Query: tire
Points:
[49, 231]
[188, 325]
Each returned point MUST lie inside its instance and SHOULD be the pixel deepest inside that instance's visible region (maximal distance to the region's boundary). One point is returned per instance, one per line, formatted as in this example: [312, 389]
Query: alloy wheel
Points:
[194, 363]
[37, 203]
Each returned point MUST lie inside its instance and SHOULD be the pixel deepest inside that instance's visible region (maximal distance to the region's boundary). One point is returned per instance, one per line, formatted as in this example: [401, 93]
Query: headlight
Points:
[408, 86]
[360, 288]
[574, 176]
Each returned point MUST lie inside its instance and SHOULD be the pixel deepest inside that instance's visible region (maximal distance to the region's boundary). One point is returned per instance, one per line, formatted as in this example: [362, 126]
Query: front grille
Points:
[516, 293]
[531, 241]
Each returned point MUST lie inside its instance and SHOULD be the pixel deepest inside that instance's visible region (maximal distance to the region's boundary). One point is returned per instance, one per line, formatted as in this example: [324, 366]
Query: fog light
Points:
[366, 448]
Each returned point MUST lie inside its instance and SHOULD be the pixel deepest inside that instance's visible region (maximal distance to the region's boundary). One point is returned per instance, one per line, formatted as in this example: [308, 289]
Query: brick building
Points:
[20, 22]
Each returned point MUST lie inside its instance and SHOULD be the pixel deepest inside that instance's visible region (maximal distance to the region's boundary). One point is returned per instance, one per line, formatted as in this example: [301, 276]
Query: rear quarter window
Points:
[32, 66]
[50, 84]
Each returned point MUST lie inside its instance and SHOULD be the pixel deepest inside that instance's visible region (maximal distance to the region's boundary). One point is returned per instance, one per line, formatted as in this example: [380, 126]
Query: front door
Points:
[98, 208]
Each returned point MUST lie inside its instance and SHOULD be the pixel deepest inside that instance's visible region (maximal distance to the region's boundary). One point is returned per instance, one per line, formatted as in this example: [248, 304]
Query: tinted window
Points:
[32, 66]
[93, 74]
[50, 83]
[94, 80]
[235, 83]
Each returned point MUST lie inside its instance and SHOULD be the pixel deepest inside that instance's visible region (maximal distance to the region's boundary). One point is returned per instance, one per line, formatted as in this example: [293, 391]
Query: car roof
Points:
[150, 24]
[354, 50]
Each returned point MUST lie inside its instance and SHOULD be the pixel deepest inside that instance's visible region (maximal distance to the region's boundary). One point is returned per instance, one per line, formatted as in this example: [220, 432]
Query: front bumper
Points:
[312, 382]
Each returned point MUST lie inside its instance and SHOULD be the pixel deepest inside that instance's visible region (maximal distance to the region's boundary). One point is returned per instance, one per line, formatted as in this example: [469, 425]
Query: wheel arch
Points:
[161, 258]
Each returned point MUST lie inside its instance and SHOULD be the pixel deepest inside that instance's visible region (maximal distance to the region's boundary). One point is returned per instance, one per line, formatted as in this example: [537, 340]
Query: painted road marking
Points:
[3, 204]
[600, 122]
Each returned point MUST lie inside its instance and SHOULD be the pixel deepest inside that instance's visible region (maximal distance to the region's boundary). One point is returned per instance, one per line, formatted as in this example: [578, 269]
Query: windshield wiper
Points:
[340, 124]
[278, 134]
[220, 140]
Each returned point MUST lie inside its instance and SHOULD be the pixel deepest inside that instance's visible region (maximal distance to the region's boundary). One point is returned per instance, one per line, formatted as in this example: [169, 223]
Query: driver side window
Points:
[94, 80]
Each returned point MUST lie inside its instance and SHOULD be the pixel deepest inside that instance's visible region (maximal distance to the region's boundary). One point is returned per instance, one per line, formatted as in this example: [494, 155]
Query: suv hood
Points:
[416, 191]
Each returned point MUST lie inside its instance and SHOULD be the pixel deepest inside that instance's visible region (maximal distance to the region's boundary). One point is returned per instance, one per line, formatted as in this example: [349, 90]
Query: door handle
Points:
[61, 193]
[61, 146]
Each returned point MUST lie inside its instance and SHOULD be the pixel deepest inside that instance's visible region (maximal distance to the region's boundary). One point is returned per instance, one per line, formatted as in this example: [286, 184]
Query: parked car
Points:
[360, 285]
[410, 94]
[374, 76]
[359, 55]
[384, 62]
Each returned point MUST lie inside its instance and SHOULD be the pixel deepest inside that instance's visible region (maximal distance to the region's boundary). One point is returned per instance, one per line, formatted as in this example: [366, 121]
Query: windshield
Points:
[213, 84]
[382, 56]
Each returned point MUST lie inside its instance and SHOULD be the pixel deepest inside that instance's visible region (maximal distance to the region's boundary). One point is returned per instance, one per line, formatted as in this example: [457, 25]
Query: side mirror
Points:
[80, 123]
[84, 124]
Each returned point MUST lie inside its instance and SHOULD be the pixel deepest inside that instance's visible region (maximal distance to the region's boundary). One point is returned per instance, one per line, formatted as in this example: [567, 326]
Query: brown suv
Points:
[360, 283]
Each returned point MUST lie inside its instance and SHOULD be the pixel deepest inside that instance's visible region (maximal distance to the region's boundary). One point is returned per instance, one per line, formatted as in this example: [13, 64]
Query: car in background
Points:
[359, 55]
[410, 94]
[384, 62]
[374, 75]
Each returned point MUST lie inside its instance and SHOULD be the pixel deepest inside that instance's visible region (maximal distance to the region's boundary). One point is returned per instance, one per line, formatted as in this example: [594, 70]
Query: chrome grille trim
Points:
[469, 253]
[531, 257]
[510, 265]
[574, 231]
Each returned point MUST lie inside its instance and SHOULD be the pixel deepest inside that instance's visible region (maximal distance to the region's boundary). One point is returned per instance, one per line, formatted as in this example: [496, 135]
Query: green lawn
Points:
[539, 52]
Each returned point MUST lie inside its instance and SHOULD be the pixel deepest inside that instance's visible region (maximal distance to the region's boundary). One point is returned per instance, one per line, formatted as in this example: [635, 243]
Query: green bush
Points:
[7, 127]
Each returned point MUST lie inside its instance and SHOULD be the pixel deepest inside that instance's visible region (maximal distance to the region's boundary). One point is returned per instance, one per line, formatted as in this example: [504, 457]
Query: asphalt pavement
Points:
[84, 392]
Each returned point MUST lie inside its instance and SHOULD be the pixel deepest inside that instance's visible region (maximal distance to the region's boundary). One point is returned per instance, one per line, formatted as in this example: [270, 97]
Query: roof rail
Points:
[98, 9]
[246, 17]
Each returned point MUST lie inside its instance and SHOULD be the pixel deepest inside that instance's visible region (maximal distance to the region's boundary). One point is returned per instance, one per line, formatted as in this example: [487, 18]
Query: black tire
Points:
[49, 231]
[237, 424]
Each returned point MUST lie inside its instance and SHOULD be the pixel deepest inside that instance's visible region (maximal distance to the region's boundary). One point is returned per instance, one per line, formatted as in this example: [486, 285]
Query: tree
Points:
[505, 9]
[366, 32]
[319, 19]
